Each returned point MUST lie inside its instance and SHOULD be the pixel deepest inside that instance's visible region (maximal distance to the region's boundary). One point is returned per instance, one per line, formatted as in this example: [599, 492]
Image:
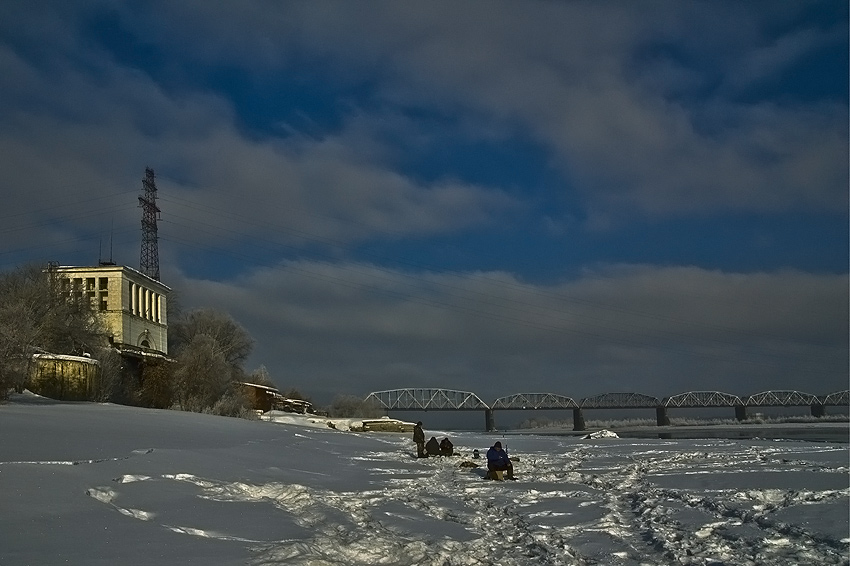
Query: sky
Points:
[101, 484]
[498, 197]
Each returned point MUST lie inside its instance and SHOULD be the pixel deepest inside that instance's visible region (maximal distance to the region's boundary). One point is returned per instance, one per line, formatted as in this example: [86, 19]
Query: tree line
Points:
[207, 351]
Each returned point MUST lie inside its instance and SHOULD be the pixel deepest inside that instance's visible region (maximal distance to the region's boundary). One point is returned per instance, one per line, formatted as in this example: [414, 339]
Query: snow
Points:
[600, 434]
[84, 483]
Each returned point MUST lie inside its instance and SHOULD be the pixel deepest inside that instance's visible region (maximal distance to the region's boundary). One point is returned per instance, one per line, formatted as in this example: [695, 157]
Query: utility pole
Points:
[149, 262]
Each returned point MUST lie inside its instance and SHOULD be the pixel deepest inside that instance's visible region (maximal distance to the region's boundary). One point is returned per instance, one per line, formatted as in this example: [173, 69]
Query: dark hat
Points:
[419, 423]
[497, 445]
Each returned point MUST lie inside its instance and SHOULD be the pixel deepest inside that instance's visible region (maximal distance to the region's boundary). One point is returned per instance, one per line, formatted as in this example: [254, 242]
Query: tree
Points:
[35, 316]
[347, 406]
[202, 374]
[260, 376]
[232, 341]
[210, 348]
[157, 389]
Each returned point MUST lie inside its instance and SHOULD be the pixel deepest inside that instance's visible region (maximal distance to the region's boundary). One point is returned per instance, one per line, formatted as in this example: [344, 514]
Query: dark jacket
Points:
[498, 459]
[418, 434]
[433, 447]
[446, 447]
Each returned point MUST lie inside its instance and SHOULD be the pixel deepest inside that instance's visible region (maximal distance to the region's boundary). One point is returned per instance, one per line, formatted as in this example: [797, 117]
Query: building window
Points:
[104, 283]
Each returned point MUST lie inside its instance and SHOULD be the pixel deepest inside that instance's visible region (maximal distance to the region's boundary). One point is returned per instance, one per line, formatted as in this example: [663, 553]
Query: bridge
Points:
[438, 399]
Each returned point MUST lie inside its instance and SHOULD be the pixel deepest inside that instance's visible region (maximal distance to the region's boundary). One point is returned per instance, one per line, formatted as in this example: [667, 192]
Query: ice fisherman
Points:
[433, 447]
[419, 439]
[446, 447]
[497, 460]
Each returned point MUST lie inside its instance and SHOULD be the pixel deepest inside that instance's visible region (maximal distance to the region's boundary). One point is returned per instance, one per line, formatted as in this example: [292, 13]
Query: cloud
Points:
[354, 328]
[569, 75]
[79, 137]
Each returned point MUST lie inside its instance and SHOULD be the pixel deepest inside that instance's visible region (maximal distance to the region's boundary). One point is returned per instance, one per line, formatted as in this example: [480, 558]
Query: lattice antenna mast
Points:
[149, 262]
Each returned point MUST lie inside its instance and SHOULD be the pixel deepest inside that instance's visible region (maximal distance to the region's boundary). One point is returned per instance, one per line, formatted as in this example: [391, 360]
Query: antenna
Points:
[100, 260]
[149, 261]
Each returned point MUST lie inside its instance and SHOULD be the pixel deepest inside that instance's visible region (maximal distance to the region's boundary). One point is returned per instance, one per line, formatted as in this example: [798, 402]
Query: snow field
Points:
[99, 484]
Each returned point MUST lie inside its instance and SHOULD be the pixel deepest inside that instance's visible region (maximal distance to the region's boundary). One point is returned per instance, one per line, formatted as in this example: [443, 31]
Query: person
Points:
[433, 447]
[419, 439]
[475, 454]
[446, 447]
[497, 460]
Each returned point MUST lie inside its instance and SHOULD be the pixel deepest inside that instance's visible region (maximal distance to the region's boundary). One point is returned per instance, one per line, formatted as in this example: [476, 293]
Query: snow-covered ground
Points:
[103, 484]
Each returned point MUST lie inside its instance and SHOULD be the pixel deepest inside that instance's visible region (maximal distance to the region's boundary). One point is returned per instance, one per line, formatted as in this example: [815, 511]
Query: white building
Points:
[133, 305]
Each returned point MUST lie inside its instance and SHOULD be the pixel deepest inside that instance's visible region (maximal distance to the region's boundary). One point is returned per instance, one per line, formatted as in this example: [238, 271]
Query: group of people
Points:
[497, 457]
[432, 447]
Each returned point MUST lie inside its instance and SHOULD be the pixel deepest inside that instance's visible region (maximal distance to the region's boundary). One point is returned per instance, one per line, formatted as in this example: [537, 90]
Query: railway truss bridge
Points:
[414, 399]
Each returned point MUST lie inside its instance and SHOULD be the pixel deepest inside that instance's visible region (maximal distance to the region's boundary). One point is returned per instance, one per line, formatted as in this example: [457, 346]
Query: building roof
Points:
[135, 272]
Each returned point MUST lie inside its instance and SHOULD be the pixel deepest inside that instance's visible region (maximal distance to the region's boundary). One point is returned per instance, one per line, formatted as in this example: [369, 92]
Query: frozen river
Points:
[103, 484]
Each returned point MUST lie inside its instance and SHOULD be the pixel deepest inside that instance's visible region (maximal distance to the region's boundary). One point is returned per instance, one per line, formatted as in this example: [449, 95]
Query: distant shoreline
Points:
[833, 431]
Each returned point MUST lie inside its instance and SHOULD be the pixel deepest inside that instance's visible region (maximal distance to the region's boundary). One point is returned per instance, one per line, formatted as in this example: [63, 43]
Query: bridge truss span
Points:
[781, 399]
[837, 399]
[534, 401]
[699, 399]
[425, 399]
[620, 401]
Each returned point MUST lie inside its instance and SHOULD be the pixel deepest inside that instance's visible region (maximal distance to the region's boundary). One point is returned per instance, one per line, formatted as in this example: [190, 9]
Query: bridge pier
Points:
[661, 417]
[489, 421]
[578, 419]
[741, 412]
[818, 410]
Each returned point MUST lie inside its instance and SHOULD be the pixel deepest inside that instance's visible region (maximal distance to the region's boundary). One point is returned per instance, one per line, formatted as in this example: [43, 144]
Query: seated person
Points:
[446, 447]
[497, 460]
[432, 447]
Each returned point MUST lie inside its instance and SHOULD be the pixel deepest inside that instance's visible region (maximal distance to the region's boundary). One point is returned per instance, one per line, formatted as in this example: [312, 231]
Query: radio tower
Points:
[149, 262]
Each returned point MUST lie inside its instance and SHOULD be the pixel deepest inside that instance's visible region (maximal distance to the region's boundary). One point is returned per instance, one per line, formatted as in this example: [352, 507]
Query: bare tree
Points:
[346, 406]
[35, 316]
[210, 348]
[232, 341]
[202, 374]
[261, 376]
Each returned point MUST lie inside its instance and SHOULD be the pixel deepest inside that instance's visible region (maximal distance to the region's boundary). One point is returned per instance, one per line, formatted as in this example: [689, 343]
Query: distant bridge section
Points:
[431, 399]
[425, 399]
[620, 401]
[798, 398]
[701, 399]
[534, 401]
[837, 399]
[781, 399]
